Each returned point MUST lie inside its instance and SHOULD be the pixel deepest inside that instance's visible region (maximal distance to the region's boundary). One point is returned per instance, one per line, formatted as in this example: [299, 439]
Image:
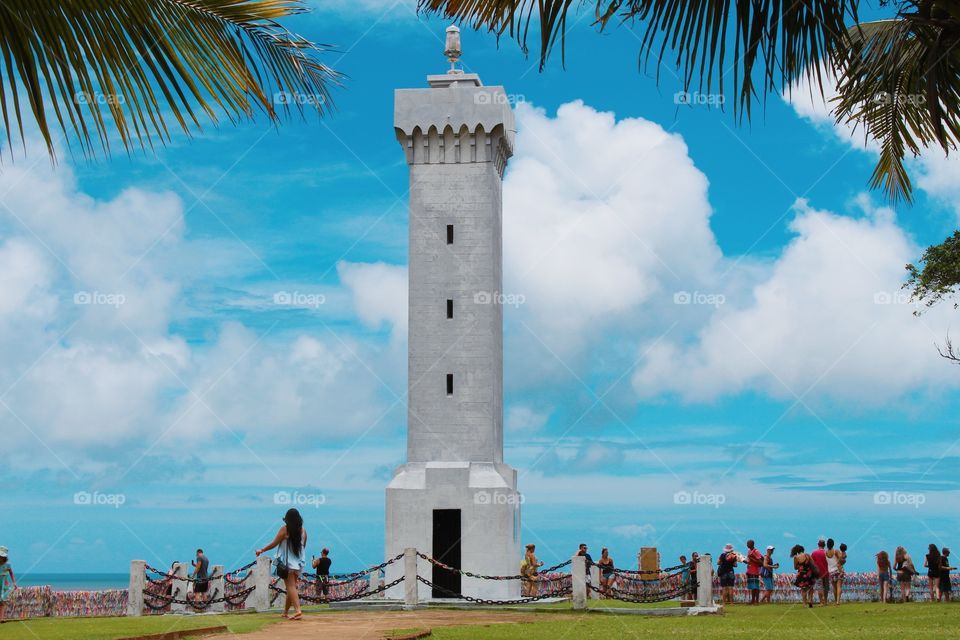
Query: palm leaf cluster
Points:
[97, 68]
[899, 79]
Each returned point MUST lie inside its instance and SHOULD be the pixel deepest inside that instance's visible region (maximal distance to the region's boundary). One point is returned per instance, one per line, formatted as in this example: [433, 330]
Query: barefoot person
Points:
[835, 570]
[806, 574]
[932, 563]
[945, 587]
[754, 566]
[903, 565]
[8, 582]
[884, 573]
[290, 542]
[529, 569]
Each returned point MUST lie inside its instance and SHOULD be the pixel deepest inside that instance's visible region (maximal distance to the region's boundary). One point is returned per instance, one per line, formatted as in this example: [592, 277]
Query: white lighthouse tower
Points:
[455, 499]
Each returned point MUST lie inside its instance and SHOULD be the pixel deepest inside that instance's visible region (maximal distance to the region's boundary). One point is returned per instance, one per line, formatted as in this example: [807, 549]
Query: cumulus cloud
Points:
[933, 171]
[525, 418]
[95, 372]
[379, 293]
[600, 216]
[829, 319]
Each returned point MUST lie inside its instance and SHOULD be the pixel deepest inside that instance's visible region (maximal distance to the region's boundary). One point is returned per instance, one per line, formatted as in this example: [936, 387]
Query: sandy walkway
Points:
[371, 625]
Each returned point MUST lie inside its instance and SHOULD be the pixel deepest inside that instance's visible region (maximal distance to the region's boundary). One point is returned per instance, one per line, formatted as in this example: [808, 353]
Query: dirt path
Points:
[371, 625]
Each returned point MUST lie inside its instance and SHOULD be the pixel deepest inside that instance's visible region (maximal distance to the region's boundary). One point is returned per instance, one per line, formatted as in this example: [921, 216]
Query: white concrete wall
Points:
[457, 136]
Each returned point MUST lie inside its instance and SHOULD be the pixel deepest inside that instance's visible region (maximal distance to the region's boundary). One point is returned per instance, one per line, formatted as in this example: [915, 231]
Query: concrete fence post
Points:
[179, 587]
[261, 596]
[705, 581]
[217, 589]
[594, 580]
[578, 571]
[375, 584]
[138, 581]
[410, 585]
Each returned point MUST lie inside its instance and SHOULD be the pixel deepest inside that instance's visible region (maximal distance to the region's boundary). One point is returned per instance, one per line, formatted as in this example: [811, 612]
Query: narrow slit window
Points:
[449, 384]
[449, 234]
[449, 309]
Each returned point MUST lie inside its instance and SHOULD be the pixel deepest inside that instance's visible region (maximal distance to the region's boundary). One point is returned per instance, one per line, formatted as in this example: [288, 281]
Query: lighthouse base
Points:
[464, 514]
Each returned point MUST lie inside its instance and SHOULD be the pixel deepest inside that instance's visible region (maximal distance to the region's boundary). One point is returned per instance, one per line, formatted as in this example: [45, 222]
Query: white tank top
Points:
[833, 562]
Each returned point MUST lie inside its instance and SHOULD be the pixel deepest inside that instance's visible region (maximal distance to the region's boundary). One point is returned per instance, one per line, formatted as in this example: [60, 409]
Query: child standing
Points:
[8, 581]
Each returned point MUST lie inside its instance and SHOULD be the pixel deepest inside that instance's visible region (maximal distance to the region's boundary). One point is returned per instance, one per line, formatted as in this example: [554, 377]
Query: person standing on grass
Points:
[834, 570]
[932, 563]
[806, 573]
[8, 582]
[322, 565]
[290, 542]
[819, 558]
[529, 571]
[200, 575]
[754, 565]
[945, 587]
[726, 567]
[884, 571]
[766, 575]
[903, 565]
[582, 551]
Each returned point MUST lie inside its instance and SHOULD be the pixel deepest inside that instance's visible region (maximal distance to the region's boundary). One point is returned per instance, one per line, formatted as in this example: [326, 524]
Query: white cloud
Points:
[379, 293]
[600, 216]
[524, 418]
[933, 171]
[89, 291]
[828, 319]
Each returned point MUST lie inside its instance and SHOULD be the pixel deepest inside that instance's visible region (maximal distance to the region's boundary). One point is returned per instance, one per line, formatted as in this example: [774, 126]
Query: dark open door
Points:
[446, 549]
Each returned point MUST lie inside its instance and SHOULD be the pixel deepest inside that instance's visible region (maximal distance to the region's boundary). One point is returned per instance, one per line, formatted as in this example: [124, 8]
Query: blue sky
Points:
[795, 396]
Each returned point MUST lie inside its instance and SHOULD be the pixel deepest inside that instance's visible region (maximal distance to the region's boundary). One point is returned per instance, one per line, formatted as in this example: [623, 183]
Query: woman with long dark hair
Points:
[291, 542]
[884, 575]
[932, 563]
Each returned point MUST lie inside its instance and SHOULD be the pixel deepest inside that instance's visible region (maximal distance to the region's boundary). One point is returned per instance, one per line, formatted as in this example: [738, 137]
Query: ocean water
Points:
[75, 581]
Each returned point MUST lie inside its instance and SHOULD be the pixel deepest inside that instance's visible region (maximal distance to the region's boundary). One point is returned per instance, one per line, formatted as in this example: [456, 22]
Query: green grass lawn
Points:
[872, 621]
[111, 628]
[781, 622]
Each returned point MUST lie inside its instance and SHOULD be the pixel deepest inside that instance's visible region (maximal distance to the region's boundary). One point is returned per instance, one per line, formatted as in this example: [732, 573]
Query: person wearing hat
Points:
[8, 581]
[726, 564]
[766, 574]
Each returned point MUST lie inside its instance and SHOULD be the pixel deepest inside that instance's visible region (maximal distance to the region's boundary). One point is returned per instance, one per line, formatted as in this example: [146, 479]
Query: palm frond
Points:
[126, 67]
[773, 42]
[903, 96]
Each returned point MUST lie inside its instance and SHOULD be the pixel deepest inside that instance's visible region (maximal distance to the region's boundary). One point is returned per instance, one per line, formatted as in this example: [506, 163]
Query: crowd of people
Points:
[820, 573]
